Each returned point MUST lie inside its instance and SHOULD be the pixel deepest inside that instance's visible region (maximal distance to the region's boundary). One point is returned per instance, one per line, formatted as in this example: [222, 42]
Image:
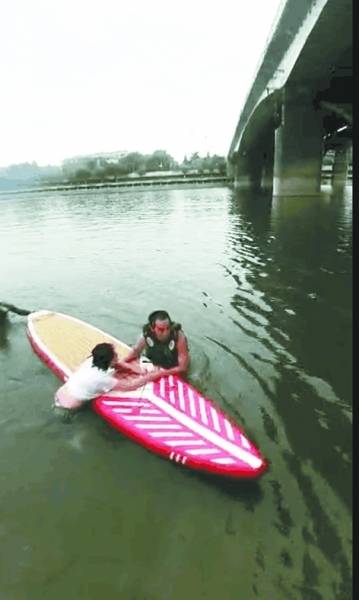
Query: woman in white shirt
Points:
[97, 376]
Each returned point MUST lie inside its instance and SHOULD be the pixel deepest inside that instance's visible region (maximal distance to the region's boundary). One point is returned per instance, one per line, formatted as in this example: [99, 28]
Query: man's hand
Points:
[155, 373]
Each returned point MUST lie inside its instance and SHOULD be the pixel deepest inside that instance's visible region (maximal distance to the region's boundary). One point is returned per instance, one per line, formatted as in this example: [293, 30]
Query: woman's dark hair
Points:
[160, 315]
[102, 355]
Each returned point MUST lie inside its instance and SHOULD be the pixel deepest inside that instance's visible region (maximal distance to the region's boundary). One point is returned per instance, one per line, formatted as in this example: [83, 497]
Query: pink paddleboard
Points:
[169, 417]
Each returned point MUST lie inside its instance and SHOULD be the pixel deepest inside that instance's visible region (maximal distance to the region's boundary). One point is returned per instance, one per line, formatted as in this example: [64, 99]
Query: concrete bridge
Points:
[300, 103]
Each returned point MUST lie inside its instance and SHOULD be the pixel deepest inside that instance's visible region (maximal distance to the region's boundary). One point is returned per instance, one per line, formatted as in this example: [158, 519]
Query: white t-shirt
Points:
[88, 381]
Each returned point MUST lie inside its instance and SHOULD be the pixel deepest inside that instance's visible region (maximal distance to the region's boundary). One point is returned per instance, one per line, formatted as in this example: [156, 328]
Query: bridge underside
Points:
[284, 141]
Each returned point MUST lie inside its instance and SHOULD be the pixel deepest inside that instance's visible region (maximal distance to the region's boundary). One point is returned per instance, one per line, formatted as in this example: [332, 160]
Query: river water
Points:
[262, 288]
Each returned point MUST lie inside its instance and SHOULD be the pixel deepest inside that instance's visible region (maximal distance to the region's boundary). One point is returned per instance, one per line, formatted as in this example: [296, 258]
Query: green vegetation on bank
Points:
[111, 167]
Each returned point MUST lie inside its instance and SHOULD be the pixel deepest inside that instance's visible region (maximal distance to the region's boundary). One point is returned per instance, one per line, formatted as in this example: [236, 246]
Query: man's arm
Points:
[135, 351]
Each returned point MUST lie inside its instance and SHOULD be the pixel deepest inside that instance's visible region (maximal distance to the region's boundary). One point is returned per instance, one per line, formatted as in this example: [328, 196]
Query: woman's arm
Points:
[125, 386]
[121, 365]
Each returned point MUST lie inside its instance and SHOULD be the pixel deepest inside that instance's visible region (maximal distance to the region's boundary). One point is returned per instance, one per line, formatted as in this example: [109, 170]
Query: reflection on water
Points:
[262, 287]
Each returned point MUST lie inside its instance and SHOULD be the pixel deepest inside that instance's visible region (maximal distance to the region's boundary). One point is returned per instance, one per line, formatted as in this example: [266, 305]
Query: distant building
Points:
[92, 161]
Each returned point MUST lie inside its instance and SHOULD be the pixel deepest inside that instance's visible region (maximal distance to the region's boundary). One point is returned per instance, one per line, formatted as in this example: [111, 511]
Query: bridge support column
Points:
[298, 146]
[254, 170]
[247, 172]
[241, 174]
[267, 162]
[340, 166]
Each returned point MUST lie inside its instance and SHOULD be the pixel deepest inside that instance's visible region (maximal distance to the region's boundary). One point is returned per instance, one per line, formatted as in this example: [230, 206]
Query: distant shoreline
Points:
[141, 182]
[138, 182]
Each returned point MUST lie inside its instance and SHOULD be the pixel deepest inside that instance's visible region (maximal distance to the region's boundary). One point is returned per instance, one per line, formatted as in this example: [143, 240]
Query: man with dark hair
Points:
[164, 343]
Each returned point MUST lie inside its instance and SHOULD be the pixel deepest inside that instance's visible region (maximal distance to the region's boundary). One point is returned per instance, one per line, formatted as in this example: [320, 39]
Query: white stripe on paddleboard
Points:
[158, 426]
[211, 436]
[121, 403]
[172, 433]
[139, 418]
[129, 411]
[201, 451]
[162, 386]
[192, 404]
[223, 461]
[185, 442]
[124, 395]
[215, 419]
[119, 396]
[229, 429]
[181, 396]
[245, 442]
[202, 410]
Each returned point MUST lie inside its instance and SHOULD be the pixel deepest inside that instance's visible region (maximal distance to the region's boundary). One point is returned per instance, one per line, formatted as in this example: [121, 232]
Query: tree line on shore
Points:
[112, 167]
[137, 164]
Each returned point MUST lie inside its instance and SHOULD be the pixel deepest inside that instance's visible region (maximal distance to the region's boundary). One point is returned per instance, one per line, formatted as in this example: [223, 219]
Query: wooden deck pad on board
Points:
[71, 341]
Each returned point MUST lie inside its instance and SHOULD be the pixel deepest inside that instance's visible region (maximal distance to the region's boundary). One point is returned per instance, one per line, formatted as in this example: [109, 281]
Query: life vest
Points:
[162, 354]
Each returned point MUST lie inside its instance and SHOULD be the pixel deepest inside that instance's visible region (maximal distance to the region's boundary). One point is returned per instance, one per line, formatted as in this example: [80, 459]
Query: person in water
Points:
[164, 343]
[96, 376]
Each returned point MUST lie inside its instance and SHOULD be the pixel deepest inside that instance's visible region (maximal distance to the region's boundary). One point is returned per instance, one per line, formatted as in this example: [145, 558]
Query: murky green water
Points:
[263, 290]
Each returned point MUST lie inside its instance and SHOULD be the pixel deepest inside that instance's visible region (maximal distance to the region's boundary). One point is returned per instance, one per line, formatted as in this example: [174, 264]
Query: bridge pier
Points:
[267, 162]
[247, 172]
[306, 71]
[341, 164]
[298, 146]
[254, 170]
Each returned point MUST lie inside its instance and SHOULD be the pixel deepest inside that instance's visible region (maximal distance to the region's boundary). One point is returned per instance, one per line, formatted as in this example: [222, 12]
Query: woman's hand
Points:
[132, 367]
